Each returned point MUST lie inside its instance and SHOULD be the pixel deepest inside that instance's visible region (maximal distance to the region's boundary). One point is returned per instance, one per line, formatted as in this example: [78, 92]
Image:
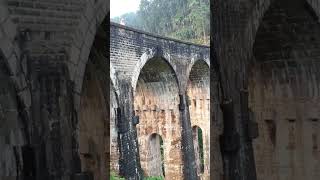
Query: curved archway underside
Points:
[93, 126]
[94, 120]
[284, 92]
[198, 92]
[156, 103]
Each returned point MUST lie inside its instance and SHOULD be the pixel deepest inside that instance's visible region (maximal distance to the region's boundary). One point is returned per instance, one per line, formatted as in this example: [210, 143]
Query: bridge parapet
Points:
[130, 49]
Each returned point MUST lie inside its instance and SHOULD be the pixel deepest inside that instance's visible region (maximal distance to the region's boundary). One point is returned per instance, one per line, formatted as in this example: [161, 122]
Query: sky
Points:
[119, 7]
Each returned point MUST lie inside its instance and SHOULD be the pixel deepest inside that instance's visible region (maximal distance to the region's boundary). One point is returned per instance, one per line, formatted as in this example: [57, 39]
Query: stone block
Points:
[3, 12]
[6, 45]
[10, 29]
[89, 37]
[74, 54]
[25, 96]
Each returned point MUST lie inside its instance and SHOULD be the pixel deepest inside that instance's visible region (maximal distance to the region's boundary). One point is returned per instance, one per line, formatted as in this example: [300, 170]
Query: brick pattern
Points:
[247, 33]
[13, 135]
[156, 103]
[285, 108]
[156, 88]
[199, 108]
[130, 49]
[92, 125]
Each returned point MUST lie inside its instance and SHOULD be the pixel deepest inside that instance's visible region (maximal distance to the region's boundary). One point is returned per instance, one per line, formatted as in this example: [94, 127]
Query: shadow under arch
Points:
[196, 61]
[156, 102]
[198, 91]
[94, 108]
[145, 58]
[284, 69]
[310, 5]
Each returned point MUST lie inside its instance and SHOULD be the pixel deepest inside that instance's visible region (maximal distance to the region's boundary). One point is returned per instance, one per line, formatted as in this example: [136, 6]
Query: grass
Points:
[154, 178]
[114, 176]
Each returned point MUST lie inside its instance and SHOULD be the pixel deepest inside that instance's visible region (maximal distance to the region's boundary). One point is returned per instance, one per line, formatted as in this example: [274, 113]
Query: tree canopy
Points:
[187, 20]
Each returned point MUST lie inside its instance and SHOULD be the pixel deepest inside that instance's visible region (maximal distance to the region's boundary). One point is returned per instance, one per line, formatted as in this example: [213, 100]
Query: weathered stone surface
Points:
[268, 49]
[55, 106]
[158, 69]
[199, 107]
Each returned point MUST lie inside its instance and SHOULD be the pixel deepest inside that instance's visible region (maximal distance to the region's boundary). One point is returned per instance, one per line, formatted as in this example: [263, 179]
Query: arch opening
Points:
[156, 102]
[198, 91]
[286, 52]
[156, 156]
[94, 109]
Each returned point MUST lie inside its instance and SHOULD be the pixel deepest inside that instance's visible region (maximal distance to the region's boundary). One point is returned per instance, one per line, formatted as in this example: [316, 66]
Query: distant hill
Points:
[187, 20]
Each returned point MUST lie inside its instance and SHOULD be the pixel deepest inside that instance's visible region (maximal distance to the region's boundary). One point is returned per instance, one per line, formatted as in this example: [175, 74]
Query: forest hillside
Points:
[187, 20]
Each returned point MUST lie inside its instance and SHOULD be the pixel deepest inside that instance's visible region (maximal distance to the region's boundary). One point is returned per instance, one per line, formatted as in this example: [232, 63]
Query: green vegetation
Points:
[200, 140]
[162, 155]
[187, 20]
[154, 178]
[114, 176]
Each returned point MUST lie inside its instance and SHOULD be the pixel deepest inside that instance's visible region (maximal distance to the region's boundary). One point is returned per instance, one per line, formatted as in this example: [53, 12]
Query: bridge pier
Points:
[53, 144]
[190, 167]
[129, 161]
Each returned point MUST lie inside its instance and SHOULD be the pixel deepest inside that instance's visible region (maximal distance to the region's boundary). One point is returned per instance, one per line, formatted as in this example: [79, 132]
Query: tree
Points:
[187, 20]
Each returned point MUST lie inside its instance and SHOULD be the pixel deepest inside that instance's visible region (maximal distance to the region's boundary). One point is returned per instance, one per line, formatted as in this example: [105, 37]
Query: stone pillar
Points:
[236, 141]
[129, 163]
[54, 123]
[229, 141]
[248, 130]
[189, 166]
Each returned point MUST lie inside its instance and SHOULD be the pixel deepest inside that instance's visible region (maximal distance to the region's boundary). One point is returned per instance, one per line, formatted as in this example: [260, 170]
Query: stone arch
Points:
[199, 84]
[290, 56]
[156, 102]
[146, 56]
[198, 91]
[262, 7]
[284, 69]
[155, 162]
[94, 125]
[94, 106]
[95, 16]
[195, 60]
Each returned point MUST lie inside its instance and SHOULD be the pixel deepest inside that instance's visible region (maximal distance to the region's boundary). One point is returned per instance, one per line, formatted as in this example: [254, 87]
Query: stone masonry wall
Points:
[156, 103]
[130, 52]
[114, 149]
[199, 99]
[93, 125]
[284, 92]
[285, 104]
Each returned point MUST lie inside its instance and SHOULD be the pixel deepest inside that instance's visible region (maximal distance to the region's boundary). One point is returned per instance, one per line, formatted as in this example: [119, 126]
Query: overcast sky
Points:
[119, 7]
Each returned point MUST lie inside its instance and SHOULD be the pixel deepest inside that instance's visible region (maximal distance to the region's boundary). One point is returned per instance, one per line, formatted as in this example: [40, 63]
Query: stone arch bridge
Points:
[55, 79]
[158, 78]
[55, 104]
